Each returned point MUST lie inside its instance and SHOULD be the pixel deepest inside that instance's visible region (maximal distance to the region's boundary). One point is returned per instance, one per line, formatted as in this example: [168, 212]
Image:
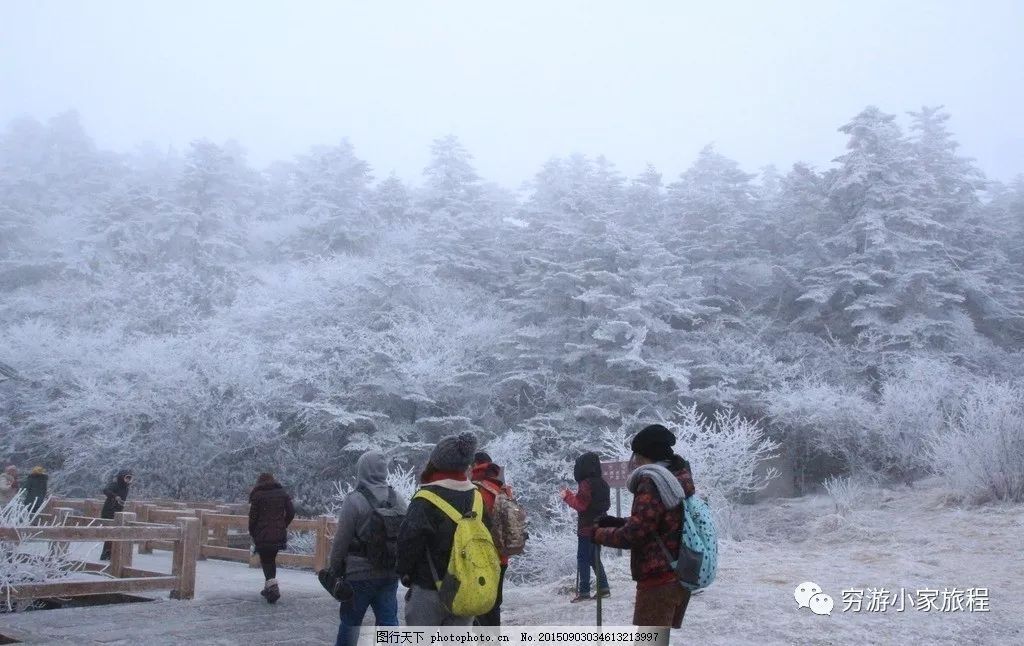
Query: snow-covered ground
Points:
[905, 538]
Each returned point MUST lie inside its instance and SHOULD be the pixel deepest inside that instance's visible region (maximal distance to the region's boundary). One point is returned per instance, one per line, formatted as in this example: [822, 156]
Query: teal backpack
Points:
[698, 546]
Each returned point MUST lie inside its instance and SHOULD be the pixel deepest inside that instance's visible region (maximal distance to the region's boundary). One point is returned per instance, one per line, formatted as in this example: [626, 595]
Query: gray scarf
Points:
[669, 488]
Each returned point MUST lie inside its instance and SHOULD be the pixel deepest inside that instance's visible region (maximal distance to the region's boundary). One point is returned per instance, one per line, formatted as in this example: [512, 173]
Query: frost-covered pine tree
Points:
[890, 275]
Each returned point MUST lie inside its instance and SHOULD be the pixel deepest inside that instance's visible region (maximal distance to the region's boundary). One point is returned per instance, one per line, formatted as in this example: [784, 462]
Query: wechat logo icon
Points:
[809, 595]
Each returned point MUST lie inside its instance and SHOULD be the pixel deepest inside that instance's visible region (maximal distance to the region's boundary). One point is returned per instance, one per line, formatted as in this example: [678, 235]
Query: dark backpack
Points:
[378, 534]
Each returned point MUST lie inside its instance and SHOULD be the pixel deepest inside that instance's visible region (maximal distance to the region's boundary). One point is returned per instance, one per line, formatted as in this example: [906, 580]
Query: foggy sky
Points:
[518, 82]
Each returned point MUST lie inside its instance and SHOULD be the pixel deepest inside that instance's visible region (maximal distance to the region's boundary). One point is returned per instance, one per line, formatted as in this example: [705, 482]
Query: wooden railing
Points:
[222, 529]
[123, 531]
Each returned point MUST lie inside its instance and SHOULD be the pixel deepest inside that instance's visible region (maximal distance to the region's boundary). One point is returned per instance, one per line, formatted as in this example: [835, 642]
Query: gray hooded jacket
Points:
[372, 472]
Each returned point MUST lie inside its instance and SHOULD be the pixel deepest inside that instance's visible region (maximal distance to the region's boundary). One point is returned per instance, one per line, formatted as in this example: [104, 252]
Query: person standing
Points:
[591, 500]
[365, 548]
[660, 482]
[270, 513]
[116, 492]
[487, 477]
[428, 533]
[35, 488]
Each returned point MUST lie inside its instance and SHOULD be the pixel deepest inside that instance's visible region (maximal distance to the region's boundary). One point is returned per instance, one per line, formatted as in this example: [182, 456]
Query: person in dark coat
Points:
[591, 500]
[116, 492]
[660, 482]
[427, 534]
[35, 488]
[270, 513]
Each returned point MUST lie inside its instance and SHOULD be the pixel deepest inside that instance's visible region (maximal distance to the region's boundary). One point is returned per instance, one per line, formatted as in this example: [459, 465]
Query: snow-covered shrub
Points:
[724, 452]
[846, 493]
[817, 420]
[551, 549]
[19, 565]
[913, 405]
[980, 452]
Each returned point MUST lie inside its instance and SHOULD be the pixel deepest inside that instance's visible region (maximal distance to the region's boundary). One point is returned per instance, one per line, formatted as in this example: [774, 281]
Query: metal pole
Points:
[618, 509]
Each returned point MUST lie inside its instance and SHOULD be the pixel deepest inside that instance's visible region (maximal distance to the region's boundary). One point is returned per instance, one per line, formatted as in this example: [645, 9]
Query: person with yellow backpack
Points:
[446, 555]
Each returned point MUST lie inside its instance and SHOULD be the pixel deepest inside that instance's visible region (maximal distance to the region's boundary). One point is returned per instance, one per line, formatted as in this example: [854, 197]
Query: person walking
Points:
[115, 493]
[487, 477]
[591, 500]
[35, 488]
[365, 548]
[270, 513]
[659, 482]
[426, 537]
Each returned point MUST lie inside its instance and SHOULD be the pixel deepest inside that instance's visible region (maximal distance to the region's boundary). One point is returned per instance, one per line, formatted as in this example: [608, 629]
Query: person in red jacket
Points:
[487, 477]
[591, 500]
[659, 483]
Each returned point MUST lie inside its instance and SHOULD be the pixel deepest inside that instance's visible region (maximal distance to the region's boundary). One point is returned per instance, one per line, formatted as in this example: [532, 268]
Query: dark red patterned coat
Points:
[649, 519]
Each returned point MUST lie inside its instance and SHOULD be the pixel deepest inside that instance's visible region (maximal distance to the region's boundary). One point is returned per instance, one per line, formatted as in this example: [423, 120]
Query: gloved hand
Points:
[610, 521]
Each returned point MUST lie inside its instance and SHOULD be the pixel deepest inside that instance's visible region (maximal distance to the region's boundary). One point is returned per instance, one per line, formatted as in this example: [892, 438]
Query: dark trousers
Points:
[379, 594]
[268, 561]
[493, 618]
[585, 561]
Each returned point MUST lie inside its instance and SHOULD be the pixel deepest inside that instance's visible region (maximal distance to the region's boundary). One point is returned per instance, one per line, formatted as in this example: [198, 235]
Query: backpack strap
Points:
[446, 507]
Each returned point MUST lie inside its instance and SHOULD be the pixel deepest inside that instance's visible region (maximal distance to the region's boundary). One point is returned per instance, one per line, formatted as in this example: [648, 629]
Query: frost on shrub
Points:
[551, 550]
[819, 420]
[913, 405]
[846, 493]
[980, 452]
[19, 561]
[724, 452]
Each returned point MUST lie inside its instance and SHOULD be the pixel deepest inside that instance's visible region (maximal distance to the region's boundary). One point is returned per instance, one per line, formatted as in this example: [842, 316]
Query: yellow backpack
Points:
[470, 586]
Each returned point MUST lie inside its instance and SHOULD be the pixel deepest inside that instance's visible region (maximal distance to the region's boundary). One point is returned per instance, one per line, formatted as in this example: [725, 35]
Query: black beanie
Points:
[481, 457]
[655, 442]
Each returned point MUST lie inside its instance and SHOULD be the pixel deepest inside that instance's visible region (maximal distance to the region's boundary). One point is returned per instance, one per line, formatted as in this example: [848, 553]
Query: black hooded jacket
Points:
[117, 488]
[588, 469]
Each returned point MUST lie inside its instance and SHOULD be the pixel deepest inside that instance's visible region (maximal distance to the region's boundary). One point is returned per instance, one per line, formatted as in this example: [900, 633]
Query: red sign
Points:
[615, 473]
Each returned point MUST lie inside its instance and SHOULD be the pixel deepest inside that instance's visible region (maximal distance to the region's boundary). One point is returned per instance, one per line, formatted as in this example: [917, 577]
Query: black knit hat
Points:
[481, 457]
[655, 442]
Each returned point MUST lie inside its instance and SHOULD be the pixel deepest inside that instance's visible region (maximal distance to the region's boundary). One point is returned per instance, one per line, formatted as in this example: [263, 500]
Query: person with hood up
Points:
[659, 482]
[270, 513]
[591, 500]
[372, 585]
[116, 492]
[487, 476]
[35, 488]
[427, 534]
[8, 484]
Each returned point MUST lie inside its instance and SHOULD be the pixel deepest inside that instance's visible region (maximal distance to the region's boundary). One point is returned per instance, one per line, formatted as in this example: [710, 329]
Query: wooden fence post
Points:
[183, 561]
[121, 551]
[145, 547]
[321, 548]
[220, 532]
[60, 514]
[204, 532]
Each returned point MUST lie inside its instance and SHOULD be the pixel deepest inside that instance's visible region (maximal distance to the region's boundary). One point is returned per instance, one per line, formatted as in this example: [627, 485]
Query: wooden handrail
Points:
[182, 580]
